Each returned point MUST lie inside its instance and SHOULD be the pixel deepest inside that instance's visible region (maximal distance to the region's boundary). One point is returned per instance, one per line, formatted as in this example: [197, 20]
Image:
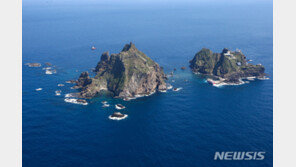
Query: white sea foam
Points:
[58, 92]
[118, 107]
[61, 85]
[129, 98]
[138, 96]
[169, 87]
[150, 93]
[263, 78]
[117, 118]
[74, 101]
[70, 95]
[106, 105]
[251, 78]
[219, 85]
[46, 68]
[49, 72]
[177, 89]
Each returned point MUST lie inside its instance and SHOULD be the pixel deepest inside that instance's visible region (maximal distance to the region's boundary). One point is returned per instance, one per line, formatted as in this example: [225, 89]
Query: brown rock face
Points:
[84, 79]
[126, 74]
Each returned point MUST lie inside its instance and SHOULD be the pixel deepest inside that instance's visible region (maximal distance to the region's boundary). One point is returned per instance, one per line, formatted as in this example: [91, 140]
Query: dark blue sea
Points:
[172, 129]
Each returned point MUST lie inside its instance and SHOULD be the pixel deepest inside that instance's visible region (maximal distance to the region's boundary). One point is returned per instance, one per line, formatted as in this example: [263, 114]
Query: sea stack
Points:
[129, 73]
[228, 66]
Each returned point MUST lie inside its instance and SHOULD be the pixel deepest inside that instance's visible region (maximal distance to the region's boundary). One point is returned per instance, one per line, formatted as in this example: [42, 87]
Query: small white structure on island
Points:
[227, 52]
[238, 50]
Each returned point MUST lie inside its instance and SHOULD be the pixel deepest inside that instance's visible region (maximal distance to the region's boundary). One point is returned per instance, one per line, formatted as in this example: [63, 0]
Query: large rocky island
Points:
[127, 74]
[226, 68]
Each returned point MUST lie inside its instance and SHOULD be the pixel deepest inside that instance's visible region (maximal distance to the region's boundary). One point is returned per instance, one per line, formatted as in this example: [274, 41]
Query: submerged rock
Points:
[81, 101]
[177, 89]
[48, 64]
[50, 71]
[126, 74]
[227, 66]
[58, 92]
[106, 105]
[119, 106]
[33, 64]
[71, 81]
[117, 116]
[76, 101]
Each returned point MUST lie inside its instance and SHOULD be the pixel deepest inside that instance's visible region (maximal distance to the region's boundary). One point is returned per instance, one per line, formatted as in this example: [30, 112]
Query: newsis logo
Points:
[228, 155]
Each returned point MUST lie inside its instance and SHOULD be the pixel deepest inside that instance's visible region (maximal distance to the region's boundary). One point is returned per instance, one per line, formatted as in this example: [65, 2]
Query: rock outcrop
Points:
[230, 66]
[33, 64]
[129, 73]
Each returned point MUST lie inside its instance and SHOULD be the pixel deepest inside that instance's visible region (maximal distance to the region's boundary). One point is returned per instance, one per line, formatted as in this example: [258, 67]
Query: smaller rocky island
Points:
[127, 75]
[225, 68]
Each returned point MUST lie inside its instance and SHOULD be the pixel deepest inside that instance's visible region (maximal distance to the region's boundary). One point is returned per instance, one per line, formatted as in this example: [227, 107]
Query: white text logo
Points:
[234, 155]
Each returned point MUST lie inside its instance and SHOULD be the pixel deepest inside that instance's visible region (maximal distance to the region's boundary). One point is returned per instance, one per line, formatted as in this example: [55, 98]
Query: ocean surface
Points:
[172, 129]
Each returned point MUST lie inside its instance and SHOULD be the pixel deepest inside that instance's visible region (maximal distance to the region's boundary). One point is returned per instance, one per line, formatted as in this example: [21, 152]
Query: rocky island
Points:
[117, 116]
[225, 68]
[128, 74]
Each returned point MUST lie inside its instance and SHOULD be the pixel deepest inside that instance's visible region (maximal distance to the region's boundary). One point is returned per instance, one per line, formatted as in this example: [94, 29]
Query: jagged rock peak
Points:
[225, 50]
[128, 47]
[84, 75]
[105, 56]
[84, 79]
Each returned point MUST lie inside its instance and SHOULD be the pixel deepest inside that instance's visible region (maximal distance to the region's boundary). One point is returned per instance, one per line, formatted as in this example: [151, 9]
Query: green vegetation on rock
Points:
[126, 74]
[229, 65]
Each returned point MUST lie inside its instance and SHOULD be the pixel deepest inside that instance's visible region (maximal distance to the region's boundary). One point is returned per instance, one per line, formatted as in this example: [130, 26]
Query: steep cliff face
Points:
[126, 74]
[229, 65]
